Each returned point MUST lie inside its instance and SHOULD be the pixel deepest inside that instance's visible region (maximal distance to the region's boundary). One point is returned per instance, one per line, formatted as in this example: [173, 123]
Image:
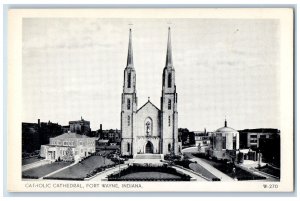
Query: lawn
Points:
[31, 160]
[43, 170]
[199, 169]
[150, 175]
[147, 173]
[270, 170]
[80, 170]
[239, 173]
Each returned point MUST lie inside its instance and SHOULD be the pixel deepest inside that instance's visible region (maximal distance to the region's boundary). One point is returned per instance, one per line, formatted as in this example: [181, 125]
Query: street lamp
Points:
[118, 154]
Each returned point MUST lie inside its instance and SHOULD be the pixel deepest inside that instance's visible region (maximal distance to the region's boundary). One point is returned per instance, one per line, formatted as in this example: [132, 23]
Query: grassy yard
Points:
[80, 170]
[270, 170]
[199, 169]
[150, 175]
[41, 171]
[31, 160]
[147, 173]
[239, 173]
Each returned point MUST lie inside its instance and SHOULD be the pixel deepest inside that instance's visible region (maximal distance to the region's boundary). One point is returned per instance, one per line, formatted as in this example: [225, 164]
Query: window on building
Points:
[65, 143]
[224, 142]
[169, 80]
[80, 143]
[169, 104]
[128, 147]
[169, 121]
[253, 136]
[128, 104]
[129, 80]
[128, 120]
[234, 142]
[169, 147]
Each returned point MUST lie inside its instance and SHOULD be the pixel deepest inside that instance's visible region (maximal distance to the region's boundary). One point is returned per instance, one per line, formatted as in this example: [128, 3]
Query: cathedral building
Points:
[148, 129]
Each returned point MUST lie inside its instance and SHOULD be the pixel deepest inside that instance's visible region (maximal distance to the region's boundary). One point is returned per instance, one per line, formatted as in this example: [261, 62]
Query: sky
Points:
[73, 67]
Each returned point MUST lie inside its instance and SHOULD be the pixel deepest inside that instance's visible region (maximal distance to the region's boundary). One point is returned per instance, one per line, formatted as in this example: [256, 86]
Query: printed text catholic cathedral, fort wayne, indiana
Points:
[149, 130]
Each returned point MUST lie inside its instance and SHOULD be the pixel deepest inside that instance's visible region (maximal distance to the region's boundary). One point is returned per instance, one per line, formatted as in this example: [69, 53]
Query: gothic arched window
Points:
[169, 147]
[169, 80]
[169, 121]
[169, 104]
[128, 104]
[128, 120]
[128, 80]
[128, 147]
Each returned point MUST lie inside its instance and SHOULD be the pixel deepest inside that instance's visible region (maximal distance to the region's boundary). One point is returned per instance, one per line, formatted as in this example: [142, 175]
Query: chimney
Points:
[100, 132]
[39, 122]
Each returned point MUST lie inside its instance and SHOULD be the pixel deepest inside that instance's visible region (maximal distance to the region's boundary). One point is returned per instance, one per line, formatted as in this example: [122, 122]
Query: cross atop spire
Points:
[130, 54]
[169, 63]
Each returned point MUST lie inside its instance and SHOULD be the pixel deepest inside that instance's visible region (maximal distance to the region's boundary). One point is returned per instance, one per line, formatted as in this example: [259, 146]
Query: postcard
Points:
[150, 100]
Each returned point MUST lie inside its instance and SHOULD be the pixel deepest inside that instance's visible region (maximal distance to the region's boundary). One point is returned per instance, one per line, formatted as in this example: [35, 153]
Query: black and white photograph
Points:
[177, 97]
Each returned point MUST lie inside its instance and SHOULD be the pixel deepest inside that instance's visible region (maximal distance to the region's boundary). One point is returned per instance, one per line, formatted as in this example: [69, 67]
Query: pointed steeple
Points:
[130, 54]
[169, 62]
[225, 122]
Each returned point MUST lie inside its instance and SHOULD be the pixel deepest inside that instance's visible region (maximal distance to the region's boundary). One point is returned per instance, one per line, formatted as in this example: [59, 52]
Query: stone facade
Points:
[149, 129]
[68, 147]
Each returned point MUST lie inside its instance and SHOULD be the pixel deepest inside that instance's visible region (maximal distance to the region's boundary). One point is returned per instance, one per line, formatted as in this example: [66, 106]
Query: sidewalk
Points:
[58, 170]
[213, 170]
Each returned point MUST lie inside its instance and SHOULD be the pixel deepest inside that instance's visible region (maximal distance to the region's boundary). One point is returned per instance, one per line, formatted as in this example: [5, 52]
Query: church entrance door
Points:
[149, 148]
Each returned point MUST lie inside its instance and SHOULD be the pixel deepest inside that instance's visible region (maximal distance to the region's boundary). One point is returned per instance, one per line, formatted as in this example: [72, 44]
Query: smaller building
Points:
[68, 147]
[250, 138]
[225, 143]
[80, 127]
[113, 135]
[202, 138]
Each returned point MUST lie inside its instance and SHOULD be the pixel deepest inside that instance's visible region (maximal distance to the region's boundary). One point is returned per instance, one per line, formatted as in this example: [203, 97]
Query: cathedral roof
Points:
[148, 102]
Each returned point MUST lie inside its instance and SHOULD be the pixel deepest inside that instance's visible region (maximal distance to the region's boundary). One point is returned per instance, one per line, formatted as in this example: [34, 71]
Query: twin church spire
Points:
[130, 53]
[169, 62]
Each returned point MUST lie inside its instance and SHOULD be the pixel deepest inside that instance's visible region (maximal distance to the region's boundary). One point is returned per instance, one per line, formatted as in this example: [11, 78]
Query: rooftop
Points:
[70, 135]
